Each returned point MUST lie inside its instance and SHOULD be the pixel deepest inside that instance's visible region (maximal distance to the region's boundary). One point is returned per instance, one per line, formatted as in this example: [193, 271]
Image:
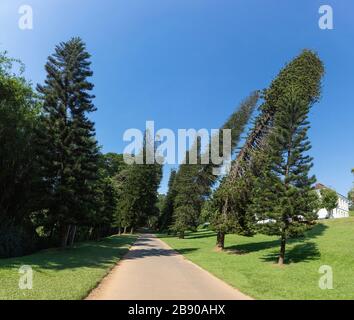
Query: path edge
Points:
[247, 297]
[109, 271]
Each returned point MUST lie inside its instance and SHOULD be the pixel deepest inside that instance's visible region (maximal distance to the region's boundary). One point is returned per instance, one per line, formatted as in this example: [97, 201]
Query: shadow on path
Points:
[142, 253]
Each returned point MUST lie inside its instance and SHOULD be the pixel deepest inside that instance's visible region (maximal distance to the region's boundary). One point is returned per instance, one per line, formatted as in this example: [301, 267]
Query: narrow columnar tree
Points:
[69, 148]
[167, 208]
[188, 194]
[194, 182]
[284, 200]
[139, 183]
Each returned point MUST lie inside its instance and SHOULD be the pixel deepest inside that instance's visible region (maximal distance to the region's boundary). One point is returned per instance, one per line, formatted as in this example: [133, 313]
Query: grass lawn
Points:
[249, 263]
[63, 274]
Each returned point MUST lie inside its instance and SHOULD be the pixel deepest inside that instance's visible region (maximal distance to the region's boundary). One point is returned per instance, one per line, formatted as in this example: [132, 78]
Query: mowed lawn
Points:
[249, 264]
[63, 274]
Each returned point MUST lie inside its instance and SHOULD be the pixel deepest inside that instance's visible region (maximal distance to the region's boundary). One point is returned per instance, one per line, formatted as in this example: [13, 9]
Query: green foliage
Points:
[19, 178]
[283, 201]
[107, 193]
[137, 187]
[165, 219]
[17, 240]
[232, 199]
[112, 164]
[69, 151]
[236, 196]
[304, 72]
[329, 199]
[194, 182]
[188, 198]
[351, 195]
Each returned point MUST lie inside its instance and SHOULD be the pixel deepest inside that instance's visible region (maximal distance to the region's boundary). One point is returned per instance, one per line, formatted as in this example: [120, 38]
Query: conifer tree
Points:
[167, 209]
[69, 149]
[188, 193]
[194, 182]
[284, 202]
[304, 72]
[139, 183]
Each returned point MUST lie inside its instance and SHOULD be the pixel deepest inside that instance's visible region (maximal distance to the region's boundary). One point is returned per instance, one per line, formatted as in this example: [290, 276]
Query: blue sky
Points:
[187, 64]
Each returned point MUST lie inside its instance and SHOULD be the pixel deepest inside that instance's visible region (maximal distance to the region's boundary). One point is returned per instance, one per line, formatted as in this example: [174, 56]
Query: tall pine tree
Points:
[284, 202]
[234, 195]
[167, 208]
[70, 151]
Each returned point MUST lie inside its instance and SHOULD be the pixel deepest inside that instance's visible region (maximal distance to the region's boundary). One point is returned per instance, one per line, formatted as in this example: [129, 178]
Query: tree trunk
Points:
[73, 234]
[181, 235]
[98, 236]
[119, 230]
[51, 233]
[125, 230]
[220, 241]
[282, 249]
[131, 230]
[65, 236]
[89, 234]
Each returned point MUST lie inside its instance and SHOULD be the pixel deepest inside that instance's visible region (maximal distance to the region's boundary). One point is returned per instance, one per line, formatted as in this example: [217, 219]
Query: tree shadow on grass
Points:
[200, 235]
[252, 247]
[302, 252]
[89, 255]
[191, 235]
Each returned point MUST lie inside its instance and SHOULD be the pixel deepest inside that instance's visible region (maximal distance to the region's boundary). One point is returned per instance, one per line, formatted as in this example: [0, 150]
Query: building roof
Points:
[319, 186]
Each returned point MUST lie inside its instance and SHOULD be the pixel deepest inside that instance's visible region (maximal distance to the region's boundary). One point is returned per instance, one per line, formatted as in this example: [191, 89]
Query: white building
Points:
[342, 210]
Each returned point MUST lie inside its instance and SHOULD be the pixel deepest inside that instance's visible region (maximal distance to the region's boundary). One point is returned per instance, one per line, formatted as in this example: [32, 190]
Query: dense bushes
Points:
[17, 240]
[55, 185]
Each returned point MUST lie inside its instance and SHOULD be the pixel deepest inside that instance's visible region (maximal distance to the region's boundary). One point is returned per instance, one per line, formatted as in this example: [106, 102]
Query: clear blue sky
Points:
[187, 64]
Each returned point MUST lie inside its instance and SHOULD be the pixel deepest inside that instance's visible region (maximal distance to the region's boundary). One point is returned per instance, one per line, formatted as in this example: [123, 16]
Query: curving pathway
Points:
[153, 271]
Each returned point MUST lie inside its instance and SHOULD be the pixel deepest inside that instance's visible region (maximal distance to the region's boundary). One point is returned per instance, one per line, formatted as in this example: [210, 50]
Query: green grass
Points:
[351, 213]
[249, 264]
[63, 274]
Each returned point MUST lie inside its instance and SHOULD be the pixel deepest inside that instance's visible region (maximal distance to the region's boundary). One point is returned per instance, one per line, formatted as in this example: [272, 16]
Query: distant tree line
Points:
[56, 187]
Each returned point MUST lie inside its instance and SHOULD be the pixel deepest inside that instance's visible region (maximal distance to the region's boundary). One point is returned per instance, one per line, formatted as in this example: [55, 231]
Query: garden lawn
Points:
[249, 264]
[63, 274]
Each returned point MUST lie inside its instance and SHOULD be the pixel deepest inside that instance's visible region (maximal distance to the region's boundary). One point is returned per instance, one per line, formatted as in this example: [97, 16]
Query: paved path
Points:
[153, 271]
